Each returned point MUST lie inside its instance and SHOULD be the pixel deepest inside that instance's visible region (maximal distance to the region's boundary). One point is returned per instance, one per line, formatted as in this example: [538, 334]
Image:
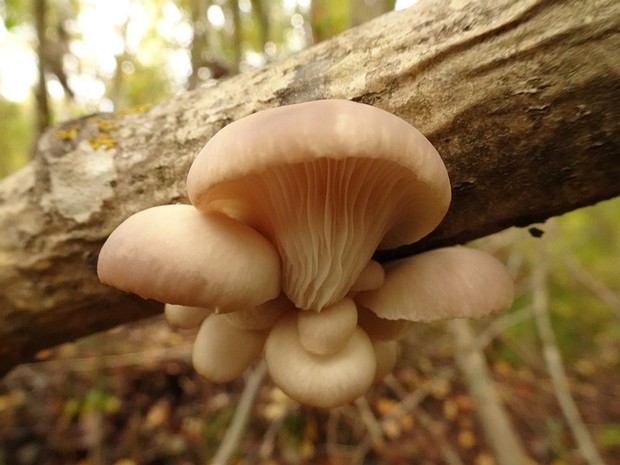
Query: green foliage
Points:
[95, 400]
[584, 265]
[329, 18]
[145, 84]
[15, 136]
[610, 436]
[582, 285]
[14, 12]
[215, 428]
[294, 428]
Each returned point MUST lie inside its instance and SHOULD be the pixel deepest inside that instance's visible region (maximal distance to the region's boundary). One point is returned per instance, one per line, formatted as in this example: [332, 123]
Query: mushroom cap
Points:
[447, 283]
[177, 255]
[371, 277]
[319, 380]
[262, 317]
[327, 182]
[222, 351]
[386, 353]
[380, 329]
[328, 331]
[185, 317]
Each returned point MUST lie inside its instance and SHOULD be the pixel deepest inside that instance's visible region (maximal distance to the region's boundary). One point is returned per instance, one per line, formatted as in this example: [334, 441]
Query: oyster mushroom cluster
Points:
[274, 256]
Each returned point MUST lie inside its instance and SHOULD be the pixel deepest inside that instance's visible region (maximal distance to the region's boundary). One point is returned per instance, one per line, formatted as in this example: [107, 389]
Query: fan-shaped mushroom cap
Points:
[222, 351]
[319, 380]
[327, 182]
[329, 331]
[175, 254]
[453, 282]
[185, 317]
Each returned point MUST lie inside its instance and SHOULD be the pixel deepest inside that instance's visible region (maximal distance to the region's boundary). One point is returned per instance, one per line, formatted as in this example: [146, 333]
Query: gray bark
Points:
[519, 96]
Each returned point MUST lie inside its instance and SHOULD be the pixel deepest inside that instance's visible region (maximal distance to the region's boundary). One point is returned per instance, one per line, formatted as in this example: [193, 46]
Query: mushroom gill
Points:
[327, 182]
[326, 217]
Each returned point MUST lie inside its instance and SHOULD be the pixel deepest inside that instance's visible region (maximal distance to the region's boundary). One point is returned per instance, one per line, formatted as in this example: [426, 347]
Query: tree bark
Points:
[519, 96]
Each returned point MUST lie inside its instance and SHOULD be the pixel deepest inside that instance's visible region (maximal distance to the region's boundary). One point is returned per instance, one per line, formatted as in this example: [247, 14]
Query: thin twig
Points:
[501, 324]
[373, 426]
[600, 290]
[358, 456]
[410, 401]
[265, 450]
[231, 440]
[553, 359]
[494, 419]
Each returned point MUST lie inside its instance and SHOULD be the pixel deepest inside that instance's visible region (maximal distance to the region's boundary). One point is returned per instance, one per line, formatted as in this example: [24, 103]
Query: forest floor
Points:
[129, 396]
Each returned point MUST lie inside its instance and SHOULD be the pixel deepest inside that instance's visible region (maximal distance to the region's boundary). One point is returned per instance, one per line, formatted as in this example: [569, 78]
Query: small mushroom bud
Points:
[371, 278]
[222, 351]
[387, 353]
[320, 380]
[327, 331]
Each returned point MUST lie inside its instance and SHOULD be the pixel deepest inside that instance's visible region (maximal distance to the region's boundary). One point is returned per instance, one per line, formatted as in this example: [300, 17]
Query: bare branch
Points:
[235, 431]
[553, 359]
[519, 96]
[493, 417]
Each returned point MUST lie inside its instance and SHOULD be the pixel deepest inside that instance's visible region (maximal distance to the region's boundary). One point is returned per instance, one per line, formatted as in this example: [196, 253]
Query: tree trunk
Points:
[519, 97]
[43, 113]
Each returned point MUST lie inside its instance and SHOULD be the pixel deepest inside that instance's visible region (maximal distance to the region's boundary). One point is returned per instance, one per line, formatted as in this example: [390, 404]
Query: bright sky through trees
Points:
[101, 38]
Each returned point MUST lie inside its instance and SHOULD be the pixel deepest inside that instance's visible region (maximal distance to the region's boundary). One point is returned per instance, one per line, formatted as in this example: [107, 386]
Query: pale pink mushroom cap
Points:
[328, 331]
[448, 283]
[175, 254]
[222, 351]
[328, 182]
[320, 380]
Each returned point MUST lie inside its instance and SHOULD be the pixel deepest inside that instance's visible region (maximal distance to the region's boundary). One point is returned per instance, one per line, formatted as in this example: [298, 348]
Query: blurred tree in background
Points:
[66, 58]
[60, 59]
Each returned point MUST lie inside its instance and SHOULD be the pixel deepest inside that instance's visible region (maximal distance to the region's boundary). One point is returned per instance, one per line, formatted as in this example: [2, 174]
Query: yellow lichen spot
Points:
[106, 125]
[102, 141]
[141, 108]
[69, 133]
[136, 110]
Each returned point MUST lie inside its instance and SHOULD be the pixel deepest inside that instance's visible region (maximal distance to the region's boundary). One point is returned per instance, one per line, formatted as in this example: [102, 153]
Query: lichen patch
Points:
[81, 181]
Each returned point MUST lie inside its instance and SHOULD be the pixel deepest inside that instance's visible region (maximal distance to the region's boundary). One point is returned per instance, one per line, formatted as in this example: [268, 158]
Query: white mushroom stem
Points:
[380, 329]
[262, 317]
[319, 380]
[328, 331]
[448, 283]
[222, 351]
[386, 353]
[184, 317]
[371, 278]
[175, 254]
